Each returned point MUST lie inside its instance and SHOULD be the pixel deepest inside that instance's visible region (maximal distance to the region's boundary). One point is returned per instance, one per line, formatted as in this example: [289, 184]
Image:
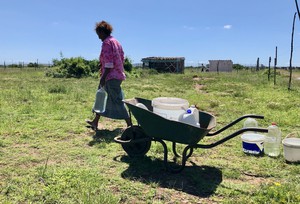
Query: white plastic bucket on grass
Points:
[169, 107]
[253, 143]
[291, 148]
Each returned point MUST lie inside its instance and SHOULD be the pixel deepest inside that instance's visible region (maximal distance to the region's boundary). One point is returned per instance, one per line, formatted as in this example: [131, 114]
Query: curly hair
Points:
[103, 26]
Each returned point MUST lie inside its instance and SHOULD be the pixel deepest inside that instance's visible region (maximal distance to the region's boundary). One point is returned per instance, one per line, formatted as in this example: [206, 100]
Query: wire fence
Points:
[25, 65]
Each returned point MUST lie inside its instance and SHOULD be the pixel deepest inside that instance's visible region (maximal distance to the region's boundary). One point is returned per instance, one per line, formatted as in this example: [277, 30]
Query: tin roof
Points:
[154, 59]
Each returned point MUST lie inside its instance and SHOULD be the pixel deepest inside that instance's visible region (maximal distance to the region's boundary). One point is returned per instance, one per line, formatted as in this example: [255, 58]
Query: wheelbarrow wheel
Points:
[140, 142]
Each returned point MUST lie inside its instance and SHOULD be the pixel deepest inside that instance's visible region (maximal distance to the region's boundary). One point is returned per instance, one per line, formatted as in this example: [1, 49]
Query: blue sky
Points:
[199, 30]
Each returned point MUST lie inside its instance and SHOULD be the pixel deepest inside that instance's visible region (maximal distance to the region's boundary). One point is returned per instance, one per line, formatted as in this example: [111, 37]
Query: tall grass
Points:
[48, 156]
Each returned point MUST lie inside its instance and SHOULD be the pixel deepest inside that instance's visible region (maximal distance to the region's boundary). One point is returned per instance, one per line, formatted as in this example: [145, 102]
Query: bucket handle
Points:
[295, 134]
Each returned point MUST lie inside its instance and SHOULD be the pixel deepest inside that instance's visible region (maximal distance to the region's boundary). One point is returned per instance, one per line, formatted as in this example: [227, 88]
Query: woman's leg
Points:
[128, 122]
[94, 122]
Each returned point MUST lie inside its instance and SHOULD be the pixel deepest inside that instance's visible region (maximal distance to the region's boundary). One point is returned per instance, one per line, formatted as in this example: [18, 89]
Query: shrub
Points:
[31, 64]
[94, 65]
[238, 67]
[70, 67]
[78, 67]
[57, 89]
[128, 64]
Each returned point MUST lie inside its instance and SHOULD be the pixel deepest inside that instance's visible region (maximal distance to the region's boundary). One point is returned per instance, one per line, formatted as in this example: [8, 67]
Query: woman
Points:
[112, 74]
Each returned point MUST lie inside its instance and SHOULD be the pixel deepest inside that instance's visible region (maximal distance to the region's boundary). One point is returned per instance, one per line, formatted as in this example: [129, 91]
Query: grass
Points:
[48, 156]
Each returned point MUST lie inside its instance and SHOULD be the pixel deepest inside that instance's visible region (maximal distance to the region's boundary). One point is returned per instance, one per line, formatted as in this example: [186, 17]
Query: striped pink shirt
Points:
[112, 57]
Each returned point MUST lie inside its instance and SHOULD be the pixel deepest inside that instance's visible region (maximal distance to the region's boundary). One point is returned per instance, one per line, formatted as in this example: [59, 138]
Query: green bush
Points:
[94, 65]
[78, 67]
[238, 67]
[70, 67]
[128, 64]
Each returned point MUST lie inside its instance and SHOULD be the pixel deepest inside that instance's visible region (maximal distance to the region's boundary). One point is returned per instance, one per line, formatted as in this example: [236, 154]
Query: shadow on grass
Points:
[105, 136]
[201, 181]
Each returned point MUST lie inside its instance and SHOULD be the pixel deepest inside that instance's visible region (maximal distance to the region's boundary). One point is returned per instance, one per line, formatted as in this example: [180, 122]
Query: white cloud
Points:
[55, 23]
[189, 27]
[227, 27]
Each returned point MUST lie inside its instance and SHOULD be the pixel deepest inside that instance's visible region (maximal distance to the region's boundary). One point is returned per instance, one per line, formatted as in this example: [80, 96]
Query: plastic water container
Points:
[100, 101]
[253, 143]
[195, 112]
[189, 118]
[250, 122]
[273, 141]
[169, 107]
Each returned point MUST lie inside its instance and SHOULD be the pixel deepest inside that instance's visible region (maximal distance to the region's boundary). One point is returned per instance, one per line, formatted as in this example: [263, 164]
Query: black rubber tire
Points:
[135, 149]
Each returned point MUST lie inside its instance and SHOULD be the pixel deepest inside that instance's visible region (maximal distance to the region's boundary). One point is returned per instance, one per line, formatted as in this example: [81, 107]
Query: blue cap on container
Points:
[188, 111]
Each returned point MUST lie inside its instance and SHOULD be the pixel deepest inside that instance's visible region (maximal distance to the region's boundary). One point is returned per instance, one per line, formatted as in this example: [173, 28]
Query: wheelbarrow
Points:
[136, 139]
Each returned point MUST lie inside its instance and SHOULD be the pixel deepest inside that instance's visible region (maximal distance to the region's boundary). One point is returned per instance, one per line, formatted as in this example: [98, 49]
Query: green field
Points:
[47, 155]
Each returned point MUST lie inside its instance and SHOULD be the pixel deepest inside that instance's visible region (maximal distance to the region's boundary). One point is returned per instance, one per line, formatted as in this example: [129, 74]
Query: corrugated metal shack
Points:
[165, 64]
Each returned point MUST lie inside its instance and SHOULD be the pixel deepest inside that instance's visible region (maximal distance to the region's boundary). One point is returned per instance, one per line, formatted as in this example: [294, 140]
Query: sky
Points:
[199, 30]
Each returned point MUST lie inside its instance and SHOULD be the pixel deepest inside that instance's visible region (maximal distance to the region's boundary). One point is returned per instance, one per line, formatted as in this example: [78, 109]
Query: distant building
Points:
[164, 64]
[220, 65]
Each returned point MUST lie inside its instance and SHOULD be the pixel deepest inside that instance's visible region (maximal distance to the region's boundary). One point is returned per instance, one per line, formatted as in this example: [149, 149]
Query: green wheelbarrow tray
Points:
[136, 140]
[157, 126]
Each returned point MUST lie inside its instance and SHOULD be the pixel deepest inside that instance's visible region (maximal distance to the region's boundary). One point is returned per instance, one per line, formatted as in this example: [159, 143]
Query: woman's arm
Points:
[103, 77]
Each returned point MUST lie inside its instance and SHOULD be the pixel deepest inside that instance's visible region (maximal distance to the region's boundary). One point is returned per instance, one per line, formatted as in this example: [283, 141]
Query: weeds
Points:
[48, 156]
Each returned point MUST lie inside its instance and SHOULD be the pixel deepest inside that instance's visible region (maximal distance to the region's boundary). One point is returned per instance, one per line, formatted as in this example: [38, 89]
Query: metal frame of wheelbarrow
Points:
[136, 140]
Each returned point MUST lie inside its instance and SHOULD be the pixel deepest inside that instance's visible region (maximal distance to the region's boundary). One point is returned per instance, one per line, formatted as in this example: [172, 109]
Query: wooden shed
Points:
[220, 65]
[165, 64]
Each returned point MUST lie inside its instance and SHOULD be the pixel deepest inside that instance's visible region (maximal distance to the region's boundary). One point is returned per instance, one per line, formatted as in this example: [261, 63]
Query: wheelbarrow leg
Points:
[175, 152]
[184, 157]
[174, 149]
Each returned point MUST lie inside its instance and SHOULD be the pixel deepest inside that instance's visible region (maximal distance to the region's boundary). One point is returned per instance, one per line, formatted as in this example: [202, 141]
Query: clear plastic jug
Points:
[100, 101]
[273, 141]
[250, 122]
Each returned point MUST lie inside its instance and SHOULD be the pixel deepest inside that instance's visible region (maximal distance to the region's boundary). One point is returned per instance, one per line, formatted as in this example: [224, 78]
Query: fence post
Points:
[291, 56]
[275, 63]
[269, 70]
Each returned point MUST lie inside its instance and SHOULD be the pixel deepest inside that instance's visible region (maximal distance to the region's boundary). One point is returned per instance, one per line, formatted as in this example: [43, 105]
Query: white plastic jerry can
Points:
[100, 101]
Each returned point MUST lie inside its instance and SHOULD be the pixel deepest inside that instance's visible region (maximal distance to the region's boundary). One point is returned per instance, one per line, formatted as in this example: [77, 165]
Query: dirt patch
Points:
[200, 88]
[255, 180]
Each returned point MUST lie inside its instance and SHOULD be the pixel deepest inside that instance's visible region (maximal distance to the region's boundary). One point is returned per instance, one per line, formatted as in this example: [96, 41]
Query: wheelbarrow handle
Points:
[238, 132]
[234, 122]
